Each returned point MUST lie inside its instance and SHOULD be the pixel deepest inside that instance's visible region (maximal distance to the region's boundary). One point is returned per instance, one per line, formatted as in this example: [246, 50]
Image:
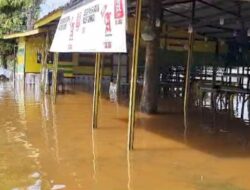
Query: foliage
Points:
[12, 15]
[15, 16]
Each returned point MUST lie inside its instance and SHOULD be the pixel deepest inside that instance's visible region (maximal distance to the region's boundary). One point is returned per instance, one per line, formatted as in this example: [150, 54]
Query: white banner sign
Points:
[96, 26]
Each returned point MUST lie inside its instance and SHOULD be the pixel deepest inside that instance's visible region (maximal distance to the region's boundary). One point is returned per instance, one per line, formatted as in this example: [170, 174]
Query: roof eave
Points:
[49, 18]
[23, 34]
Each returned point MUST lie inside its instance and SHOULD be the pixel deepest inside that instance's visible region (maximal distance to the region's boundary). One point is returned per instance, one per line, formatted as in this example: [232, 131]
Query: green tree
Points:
[33, 13]
[15, 16]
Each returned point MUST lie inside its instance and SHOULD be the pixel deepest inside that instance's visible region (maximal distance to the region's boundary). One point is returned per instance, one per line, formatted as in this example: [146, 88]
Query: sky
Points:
[50, 5]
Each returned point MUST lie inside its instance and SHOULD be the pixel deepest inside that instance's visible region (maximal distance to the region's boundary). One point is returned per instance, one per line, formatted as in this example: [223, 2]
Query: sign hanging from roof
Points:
[96, 26]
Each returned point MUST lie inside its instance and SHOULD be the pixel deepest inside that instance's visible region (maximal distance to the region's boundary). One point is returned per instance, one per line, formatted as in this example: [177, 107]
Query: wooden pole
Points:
[230, 75]
[97, 89]
[15, 62]
[188, 67]
[217, 50]
[118, 76]
[44, 64]
[248, 78]
[54, 78]
[134, 70]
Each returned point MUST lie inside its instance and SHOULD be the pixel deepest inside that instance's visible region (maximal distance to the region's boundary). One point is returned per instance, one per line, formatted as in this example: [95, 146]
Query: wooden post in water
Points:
[188, 68]
[134, 70]
[97, 89]
[248, 78]
[118, 76]
[217, 50]
[54, 78]
[44, 64]
[230, 76]
[151, 79]
[205, 68]
[15, 64]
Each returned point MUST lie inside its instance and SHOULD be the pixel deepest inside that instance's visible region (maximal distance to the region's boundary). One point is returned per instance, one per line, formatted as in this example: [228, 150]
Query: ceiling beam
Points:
[176, 13]
[217, 32]
[183, 38]
[196, 20]
[220, 28]
[176, 3]
[206, 19]
[218, 8]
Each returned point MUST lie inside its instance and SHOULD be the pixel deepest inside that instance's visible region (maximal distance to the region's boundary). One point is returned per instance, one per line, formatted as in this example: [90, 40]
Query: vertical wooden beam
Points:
[134, 73]
[230, 75]
[213, 97]
[44, 64]
[166, 38]
[15, 63]
[112, 68]
[243, 105]
[188, 70]
[118, 76]
[127, 68]
[205, 68]
[97, 89]
[248, 78]
[54, 78]
[217, 50]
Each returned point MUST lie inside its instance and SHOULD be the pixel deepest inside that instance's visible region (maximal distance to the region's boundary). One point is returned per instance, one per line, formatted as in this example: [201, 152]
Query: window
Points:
[50, 58]
[65, 57]
[39, 57]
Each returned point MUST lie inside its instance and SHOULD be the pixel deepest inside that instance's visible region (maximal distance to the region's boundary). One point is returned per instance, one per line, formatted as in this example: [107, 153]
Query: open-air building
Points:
[180, 43]
[168, 108]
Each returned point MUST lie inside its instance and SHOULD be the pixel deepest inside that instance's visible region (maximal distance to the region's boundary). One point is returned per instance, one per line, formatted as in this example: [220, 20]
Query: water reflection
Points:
[94, 155]
[236, 105]
[47, 146]
[55, 134]
[49, 126]
[19, 157]
[129, 169]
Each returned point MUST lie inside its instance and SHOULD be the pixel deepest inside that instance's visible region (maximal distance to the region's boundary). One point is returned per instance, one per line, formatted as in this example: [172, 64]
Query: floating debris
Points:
[58, 187]
[35, 175]
[36, 186]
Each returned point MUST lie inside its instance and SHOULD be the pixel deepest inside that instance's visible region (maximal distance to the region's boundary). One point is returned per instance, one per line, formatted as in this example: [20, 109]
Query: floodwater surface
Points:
[43, 146]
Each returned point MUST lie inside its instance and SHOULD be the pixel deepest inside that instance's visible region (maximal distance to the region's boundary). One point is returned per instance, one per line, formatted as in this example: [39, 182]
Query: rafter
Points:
[218, 8]
[196, 20]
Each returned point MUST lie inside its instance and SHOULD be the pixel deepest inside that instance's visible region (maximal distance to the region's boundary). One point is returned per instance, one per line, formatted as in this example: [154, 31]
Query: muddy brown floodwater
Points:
[53, 147]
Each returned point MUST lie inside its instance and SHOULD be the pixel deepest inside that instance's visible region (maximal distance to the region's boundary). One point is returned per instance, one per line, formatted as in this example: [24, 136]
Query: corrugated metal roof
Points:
[208, 13]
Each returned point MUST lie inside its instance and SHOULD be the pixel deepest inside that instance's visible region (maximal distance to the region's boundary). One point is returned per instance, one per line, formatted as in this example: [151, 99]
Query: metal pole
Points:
[188, 67]
[97, 89]
[131, 121]
[54, 80]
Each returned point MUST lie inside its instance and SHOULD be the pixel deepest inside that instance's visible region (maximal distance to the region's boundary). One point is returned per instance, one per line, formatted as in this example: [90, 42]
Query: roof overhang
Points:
[24, 34]
[55, 15]
[214, 19]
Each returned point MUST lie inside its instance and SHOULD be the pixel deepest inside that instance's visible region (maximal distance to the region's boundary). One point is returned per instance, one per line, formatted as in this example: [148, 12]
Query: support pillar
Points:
[134, 73]
[44, 64]
[217, 50]
[15, 64]
[151, 83]
[118, 76]
[188, 70]
[97, 89]
[54, 78]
